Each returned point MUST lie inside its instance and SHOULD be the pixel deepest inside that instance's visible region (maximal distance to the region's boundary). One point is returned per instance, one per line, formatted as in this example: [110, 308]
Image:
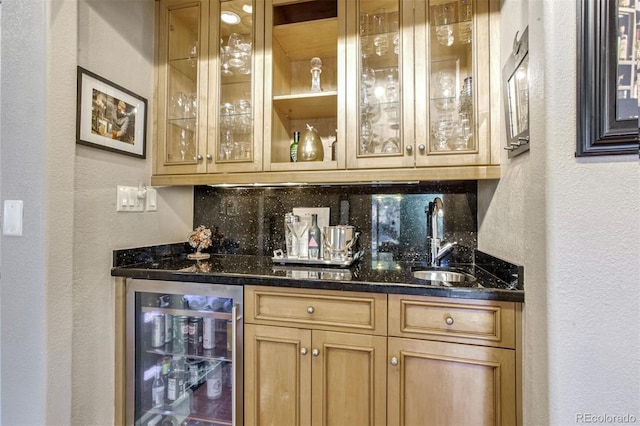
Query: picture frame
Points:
[109, 116]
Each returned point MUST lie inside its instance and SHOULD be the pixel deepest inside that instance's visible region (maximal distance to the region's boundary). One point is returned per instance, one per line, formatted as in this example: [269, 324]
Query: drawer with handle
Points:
[479, 322]
[318, 309]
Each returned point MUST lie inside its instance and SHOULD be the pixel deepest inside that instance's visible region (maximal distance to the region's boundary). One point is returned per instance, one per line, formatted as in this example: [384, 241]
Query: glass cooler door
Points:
[184, 354]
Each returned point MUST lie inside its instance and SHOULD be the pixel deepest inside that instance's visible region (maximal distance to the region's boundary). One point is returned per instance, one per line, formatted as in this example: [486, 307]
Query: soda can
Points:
[168, 328]
[195, 335]
[180, 333]
[157, 330]
[209, 333]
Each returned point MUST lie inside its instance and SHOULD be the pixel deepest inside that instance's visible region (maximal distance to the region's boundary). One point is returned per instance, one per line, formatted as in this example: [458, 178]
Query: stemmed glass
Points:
[235, 43]
[380, 28]
[298, 230]
[442, 129]
[225, 56]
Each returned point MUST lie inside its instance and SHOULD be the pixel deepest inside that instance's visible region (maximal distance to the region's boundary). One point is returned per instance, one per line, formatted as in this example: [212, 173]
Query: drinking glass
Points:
[380, 30]
[465, 14]
[445, 91]
[299, 230]
[225, 56]
[394, 30]
[227, 115]
[444, 19]
[235, 42]
[442, 129]
[366, 40]
[464, 132]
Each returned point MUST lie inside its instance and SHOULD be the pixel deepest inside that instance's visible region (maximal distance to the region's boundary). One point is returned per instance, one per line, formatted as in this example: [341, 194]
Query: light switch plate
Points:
[152, 199]
[127, 199]
[12, 218]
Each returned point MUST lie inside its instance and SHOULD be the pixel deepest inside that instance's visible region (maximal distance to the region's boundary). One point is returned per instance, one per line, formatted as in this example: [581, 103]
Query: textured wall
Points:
[574, 224]
[115, 41]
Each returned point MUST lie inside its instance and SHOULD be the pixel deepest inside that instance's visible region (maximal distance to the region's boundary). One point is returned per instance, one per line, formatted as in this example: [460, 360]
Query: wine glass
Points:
[380, 29]
[235, 44]
[442, 129]
[225, 55]
[444, 19]
[298, 229]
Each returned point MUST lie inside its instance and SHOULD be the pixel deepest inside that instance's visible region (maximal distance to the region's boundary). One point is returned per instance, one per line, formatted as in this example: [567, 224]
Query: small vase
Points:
[310, 147]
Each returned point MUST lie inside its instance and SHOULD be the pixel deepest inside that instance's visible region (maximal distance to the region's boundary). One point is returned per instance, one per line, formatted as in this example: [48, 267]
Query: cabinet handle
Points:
[394, 361]
[315, 352]
[199, 157]
[409, 149]
[422, 147]
[303, 351]
[449, 320]
[209, 157]
[310, 310]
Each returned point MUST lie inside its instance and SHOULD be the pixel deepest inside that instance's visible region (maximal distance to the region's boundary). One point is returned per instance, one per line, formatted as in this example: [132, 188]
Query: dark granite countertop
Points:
[496, 279]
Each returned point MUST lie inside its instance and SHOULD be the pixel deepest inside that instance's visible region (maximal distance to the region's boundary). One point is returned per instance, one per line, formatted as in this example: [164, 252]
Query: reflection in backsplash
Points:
[391, 219]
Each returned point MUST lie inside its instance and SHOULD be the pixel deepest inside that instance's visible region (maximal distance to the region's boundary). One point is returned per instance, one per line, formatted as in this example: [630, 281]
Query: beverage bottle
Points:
[214, 380]
[315, 238]
[293, 149]
[157, 388]
[175, 381]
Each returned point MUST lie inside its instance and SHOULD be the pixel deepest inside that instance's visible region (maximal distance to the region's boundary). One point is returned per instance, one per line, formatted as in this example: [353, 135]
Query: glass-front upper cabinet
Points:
[381, 106]
[182, 82]
[453, 116]
[304, 84]
[235, 110]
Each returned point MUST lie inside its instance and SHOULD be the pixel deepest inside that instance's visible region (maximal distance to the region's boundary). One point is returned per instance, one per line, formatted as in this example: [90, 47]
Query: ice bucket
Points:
[338, 241]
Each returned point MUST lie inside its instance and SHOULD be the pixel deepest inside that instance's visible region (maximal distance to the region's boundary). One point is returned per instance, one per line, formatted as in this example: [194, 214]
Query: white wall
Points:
[574, 224]
[57, 297]
[115, 41]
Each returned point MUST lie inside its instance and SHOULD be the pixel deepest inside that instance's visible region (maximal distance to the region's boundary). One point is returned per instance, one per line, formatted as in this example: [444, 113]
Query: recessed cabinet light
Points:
[230, 18]
[247, 8]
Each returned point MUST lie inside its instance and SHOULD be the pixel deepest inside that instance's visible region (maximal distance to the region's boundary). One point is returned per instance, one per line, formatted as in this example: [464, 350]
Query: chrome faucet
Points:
[435, 233]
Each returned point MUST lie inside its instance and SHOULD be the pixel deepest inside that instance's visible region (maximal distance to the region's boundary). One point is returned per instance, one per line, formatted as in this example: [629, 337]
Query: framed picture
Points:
[109, 116]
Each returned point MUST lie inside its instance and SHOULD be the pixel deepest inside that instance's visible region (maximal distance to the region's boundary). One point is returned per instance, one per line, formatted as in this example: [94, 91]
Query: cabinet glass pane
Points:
[235, 138]
[380, 130]
[452, 125]
[304, 49]
[182, 82]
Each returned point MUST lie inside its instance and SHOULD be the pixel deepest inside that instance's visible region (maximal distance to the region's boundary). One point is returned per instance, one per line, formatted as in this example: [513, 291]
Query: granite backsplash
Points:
[391, 218]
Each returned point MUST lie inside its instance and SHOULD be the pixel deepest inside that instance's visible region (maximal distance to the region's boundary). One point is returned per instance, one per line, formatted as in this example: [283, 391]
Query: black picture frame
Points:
[599, 131]
[109, 116]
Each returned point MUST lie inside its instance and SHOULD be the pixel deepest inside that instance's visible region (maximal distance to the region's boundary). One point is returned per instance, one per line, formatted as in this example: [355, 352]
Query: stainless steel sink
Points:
[443, 275]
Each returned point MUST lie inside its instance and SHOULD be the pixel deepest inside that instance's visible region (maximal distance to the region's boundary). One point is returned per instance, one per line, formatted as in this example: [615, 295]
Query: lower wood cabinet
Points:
[314, 377]
[317, 357]
[440, 383]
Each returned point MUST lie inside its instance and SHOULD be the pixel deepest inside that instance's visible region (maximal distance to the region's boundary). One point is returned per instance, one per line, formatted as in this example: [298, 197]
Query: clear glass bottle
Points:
[157, 388]
[315, 239]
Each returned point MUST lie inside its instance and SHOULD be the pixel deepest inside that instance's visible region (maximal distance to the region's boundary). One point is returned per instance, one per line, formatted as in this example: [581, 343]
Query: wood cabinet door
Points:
[277, 376]
[440, 383]
[349, 379]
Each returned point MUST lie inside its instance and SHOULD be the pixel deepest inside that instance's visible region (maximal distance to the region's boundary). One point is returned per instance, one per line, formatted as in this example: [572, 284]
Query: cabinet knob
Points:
[310, 310]
[303, 351]
[394, 361]
[315, 352]
[199, 157]
[409, 149]
[421, 147]
[449, 320]
[209, 157]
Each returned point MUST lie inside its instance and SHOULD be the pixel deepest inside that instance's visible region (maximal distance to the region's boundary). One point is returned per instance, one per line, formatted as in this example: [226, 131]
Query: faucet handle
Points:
[445, 249]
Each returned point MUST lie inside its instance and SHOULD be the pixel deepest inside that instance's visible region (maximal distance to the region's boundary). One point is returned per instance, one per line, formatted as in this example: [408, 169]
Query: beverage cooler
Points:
[184, 354]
